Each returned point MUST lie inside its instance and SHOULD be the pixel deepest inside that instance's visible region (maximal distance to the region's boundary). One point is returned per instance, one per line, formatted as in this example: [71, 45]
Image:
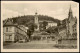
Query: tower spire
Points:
[70, 10]
[70, 15]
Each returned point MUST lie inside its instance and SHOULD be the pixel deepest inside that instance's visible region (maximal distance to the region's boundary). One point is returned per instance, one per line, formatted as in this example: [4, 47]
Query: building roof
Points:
[9, 22]
[70, 10]
[47, 21]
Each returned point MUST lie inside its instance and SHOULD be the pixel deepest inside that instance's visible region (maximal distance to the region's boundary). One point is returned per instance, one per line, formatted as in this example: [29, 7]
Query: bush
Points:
[36, 37]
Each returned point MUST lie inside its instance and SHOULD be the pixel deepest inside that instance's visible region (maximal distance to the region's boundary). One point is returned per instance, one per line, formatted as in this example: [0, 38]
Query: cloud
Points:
[25, 10]
[56, 10]
[58, 14]
[10, 13]
[74, 11]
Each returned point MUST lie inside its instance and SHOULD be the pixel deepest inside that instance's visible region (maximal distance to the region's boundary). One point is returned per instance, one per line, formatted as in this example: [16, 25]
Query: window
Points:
[8, 37]
[73, 30]
[69, 21]
[8, 29]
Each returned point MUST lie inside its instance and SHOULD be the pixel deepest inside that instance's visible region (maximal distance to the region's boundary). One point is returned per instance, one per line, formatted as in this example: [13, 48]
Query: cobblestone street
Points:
[31, 45]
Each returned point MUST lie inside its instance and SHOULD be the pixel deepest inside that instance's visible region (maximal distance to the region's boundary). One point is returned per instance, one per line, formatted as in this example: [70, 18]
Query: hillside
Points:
[28, 18]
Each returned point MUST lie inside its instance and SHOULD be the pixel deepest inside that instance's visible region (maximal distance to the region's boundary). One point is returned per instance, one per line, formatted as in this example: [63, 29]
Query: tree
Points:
[31, 27]
[29, 33]
[51, 29]
[44, 24]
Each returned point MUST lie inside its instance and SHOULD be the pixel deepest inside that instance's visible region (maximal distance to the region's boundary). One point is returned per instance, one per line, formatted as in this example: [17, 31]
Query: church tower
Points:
[70, 15]
[70, 22]
[36, 21]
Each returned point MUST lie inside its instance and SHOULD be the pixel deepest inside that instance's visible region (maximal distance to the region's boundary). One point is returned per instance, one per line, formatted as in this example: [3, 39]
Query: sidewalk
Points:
[31, 45]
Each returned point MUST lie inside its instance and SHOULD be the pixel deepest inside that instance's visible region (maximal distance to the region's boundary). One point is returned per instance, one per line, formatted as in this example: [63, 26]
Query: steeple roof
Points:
[70, 10]
[70, 15]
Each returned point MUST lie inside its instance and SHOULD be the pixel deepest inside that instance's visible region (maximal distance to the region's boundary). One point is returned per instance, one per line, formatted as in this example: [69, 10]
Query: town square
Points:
[41, 26]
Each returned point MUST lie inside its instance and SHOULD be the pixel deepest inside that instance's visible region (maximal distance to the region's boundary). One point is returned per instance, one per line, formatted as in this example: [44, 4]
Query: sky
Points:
[57, 10]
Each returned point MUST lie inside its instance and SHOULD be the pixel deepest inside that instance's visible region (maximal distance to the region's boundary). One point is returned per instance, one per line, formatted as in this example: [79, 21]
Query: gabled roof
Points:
[8, 22]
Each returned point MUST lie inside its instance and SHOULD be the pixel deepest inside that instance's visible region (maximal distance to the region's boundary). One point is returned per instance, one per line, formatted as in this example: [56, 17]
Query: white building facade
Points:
[51, 24]
[13, 33]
